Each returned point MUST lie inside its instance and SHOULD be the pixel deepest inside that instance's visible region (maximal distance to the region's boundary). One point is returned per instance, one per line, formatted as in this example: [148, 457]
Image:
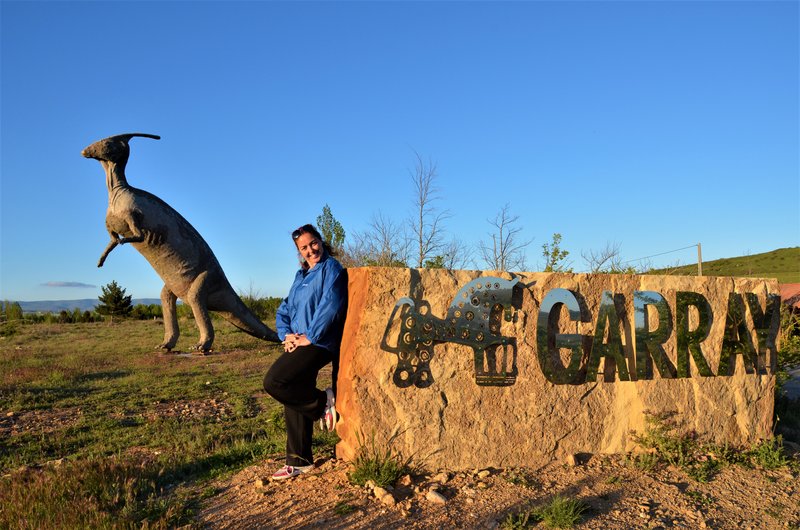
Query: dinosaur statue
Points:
[176, 251]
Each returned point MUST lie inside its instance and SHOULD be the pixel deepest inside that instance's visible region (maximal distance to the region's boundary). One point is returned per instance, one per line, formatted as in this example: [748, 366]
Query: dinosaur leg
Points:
[197, 298]
[171, 330]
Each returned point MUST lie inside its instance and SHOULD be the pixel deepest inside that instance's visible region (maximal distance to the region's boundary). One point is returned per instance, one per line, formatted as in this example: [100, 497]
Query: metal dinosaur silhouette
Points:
[473, 319]
[177, 252]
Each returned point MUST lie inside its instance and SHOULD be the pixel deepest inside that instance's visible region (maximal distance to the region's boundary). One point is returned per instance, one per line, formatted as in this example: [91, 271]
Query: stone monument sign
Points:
[468, 369]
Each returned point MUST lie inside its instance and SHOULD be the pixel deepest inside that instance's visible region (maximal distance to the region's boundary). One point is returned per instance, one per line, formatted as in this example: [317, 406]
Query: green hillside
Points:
[783, 264]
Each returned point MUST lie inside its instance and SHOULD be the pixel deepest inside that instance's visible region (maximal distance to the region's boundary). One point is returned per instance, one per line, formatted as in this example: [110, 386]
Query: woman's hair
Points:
[309, 229]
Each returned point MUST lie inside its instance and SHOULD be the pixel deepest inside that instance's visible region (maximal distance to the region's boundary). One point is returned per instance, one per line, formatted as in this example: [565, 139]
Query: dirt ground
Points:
[618, 496]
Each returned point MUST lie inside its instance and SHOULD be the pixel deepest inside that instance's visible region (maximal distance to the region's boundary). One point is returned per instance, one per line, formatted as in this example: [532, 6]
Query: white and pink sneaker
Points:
[290, 471]
[329, 418]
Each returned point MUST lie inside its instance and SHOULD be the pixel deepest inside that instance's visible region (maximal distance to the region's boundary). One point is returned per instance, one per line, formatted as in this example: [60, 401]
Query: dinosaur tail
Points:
[252, 326]
[244, 319]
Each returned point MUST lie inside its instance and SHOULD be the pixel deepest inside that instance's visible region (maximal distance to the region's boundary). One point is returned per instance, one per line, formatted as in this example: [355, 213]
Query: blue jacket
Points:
[316, 305]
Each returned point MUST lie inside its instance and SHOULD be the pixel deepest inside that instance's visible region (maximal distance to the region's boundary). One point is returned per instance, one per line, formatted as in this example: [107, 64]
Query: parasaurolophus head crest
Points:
[114, 148]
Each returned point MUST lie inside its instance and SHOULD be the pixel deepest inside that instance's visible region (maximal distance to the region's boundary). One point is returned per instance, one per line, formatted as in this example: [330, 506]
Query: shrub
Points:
[7, 329]
[704, 470]
[646, 461]
[667, 445]
[701, 461]
[769, 454]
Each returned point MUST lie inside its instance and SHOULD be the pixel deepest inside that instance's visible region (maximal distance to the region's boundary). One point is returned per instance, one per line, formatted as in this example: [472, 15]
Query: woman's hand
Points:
[294, 340]
[290, 342]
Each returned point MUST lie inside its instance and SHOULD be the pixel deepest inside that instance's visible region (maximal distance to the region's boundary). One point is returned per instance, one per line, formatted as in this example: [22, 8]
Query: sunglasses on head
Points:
[305, 229]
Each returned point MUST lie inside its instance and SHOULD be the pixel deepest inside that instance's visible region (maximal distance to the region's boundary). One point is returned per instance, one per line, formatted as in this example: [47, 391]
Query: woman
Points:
[309, 321]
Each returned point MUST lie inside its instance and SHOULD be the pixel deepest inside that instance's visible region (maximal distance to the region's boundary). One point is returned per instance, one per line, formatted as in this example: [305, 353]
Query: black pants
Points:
[292, 381]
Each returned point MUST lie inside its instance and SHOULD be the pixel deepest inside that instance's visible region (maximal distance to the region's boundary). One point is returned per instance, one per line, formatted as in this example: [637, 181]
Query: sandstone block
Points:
[466, 369]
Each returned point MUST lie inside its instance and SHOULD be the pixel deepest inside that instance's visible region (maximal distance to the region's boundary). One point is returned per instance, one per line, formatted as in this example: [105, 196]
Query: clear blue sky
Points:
[655, 125]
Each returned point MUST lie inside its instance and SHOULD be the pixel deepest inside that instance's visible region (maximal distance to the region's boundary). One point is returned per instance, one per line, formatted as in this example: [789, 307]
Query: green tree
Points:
[331, 229]
[183, 311]
[437, 262]
[11, 310]
[156, 311]
[555, 256]
[140, 312]
[114, 301]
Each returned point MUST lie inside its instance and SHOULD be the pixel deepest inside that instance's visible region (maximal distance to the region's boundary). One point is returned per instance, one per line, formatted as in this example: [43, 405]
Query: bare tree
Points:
[644, 266]
[609, 260]
[457, 255]
[504, 251]
[383, 244]
[604, 259]
[426, 222]
[454, 255]
[354, 252]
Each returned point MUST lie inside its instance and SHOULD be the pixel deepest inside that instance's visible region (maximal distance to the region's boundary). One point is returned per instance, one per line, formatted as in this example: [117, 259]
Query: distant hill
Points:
[783, 264]
[85, 304]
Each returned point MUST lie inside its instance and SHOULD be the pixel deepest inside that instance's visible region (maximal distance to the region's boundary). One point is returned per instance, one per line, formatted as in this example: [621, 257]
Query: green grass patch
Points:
[562, 512]
[699, 498]
[94, 493]
[519, 477]
[558, 512]
[343, 508]
[382, 466]
[519, 520]
[139, 436]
